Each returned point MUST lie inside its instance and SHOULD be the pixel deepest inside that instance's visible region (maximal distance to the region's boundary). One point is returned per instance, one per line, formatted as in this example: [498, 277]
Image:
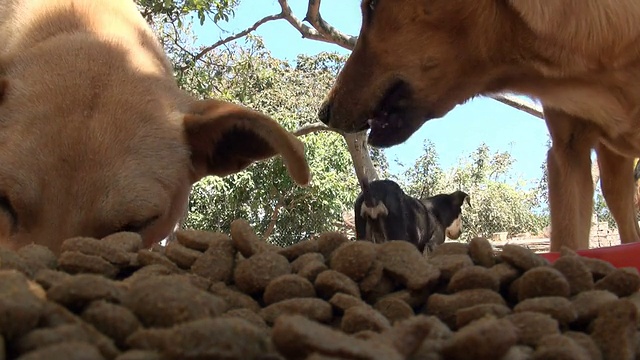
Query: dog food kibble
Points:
[542, 281]
[232, 296]
[481, 252]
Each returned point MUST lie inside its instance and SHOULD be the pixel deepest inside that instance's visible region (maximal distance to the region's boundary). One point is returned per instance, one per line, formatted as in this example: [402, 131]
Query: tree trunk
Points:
[357, 144]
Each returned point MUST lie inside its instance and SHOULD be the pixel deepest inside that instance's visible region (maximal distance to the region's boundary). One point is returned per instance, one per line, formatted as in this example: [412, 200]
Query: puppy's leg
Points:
[618, 188]
[570, 183]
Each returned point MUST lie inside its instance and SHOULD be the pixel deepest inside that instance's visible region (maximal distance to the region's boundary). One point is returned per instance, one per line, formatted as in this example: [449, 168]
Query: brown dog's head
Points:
[106, 147]
[414, 61]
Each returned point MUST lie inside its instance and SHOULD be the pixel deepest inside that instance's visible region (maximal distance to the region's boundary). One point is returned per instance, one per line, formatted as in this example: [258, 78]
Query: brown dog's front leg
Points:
[618, 188]
[570, 182]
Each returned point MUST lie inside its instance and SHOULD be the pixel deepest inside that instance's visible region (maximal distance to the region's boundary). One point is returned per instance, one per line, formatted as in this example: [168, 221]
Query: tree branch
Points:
[325, 29]
[274, 219]
[307, 32]
[233, 37]
[315, 127]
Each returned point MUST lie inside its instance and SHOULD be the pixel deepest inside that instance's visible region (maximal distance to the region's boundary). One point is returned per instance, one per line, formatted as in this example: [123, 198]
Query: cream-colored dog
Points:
[95, 135]
[415, 60]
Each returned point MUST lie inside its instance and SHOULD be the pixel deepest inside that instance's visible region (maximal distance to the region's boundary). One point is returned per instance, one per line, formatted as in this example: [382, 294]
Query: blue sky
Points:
[456, 135]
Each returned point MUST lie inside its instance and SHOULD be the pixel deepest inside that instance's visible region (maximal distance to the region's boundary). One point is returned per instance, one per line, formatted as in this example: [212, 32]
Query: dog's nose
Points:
[325, 112]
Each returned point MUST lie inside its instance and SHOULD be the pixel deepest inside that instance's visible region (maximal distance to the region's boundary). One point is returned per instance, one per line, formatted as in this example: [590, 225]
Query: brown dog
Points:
[417, 59]
[95, 135]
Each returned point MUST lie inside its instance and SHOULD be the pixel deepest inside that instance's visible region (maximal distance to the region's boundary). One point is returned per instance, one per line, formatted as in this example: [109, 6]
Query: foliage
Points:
[176, 10]
[264, 194]
[496, 204]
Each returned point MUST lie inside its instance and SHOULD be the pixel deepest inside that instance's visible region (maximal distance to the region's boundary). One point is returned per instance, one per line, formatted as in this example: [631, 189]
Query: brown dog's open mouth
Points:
[394, 119]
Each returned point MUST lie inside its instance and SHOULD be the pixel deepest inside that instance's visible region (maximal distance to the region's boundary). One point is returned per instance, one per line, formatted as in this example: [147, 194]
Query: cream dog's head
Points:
[96, 137]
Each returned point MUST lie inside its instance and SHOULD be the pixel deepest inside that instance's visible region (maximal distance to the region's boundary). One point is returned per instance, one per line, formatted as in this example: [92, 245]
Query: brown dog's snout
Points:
[324, 113]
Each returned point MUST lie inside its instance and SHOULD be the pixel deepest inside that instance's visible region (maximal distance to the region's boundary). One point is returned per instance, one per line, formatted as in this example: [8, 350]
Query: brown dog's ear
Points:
[225, 138]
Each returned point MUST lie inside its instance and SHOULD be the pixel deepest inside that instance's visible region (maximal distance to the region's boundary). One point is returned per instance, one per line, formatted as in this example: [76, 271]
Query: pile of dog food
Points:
[212, 296]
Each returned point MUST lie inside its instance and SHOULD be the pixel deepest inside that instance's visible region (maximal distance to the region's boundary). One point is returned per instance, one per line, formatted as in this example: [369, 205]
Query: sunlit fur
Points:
[95, 135]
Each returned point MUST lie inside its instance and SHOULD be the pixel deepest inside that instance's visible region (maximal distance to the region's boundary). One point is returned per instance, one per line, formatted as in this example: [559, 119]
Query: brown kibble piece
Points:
[312, 269]
[576, 272]
[38, 257]
[10, 260]
[599, 268]
[329, 241]
[485, 339]
[297, 336]
[140, 355]
[505, 273]
[481, 252]
[75, 262]
[234, 298]
[542, 281]
[288, 286]
[521, 257]
[219, 338]
[218, 260]
[363, 317]
[404, 262]
[622, 282]
[330, 282]
[47, 278]
[247, 315]
[558, 346]
[354, 259]
[150, 257]
[473, 277]
[20, 306]
[130, 242]
[304, 259]
[533, 326]
[79, 290]
[155, 306]
[466, 315]
[559, 308]
[252, 275]
[312, 308]
[246, 240]
[182, 255]
[198, 239]
[91, 246]
[588, 303]
[301, 248]
[113, 320]
[586, 342]
[614, 330]
[68, 350]
[448, 265]
[394, 309]
[446, 306]
[342, 301]
[450, 248]
[374, 277]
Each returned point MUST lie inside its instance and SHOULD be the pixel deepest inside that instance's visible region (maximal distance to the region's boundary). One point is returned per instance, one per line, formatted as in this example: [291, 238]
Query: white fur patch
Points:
[455, 229]
[373, 212]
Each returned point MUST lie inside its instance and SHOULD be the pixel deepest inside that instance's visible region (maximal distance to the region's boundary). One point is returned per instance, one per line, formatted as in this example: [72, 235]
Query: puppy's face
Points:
[113, 150]
[414, 61]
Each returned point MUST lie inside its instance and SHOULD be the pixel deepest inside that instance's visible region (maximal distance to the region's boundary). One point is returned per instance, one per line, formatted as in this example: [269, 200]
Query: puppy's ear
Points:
[460, 197]
[226, 138]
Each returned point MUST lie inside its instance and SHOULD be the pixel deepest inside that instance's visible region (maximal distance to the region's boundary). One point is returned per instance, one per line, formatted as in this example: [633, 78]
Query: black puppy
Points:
[383, 212]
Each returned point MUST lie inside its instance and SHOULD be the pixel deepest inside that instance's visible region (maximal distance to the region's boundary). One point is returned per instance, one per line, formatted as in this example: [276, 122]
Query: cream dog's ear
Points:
[225, 138]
